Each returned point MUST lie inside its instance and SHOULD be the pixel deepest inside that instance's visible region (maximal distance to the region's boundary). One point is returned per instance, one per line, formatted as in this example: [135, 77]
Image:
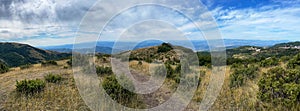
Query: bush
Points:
[148, 60]
[116, 91]
[165, 47]
[285, 58]
[170, 71]
[178, 68]
[53, 78]
[269, 62]
[27, 66]
[241, 73]
[294, 63]
[30, 86]
[3, 68]
[204, 58]
[103, 70]
[236, 79]
[280, 86]
[49, 63]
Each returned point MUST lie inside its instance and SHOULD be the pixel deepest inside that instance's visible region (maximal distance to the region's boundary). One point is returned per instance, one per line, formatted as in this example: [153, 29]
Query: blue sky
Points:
[55, 22]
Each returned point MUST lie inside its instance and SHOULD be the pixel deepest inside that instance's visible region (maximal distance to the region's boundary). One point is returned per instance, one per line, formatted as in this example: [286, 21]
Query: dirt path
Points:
[153, 99]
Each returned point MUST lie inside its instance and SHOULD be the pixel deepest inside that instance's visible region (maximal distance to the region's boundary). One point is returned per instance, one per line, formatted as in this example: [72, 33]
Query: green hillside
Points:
[15, 54]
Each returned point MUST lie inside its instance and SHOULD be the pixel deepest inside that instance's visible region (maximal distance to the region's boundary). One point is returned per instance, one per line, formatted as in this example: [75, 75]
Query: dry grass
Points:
[62, 96]
[65, 96]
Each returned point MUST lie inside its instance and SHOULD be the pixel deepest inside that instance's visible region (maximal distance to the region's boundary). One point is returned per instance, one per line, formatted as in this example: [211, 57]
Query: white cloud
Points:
[60, 18]
[261, 23]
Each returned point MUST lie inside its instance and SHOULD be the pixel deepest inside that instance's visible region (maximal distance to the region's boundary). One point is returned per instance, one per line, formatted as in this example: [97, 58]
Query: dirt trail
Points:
[153, 99]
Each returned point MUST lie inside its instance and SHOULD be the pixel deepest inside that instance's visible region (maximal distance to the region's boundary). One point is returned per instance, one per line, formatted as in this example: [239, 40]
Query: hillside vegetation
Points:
[256, 78]
[15, 54]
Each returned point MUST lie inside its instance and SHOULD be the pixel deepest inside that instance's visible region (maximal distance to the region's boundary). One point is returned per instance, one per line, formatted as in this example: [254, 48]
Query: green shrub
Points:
[116, 91]
[178, 69]
[285, 58]
[3, 68]
[148, 60]
[280, 86]
[53, 78]
[242, 73]
[165, 47]
[49, 63]
[269, 62]
[103, 70]
[204, 58]
[27, 66]
[30, 86]
[294, 62]
[236, 79]
[170, 71]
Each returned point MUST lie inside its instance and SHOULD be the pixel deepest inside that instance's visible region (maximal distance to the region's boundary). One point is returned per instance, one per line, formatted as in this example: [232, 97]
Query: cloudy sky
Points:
[55, 22]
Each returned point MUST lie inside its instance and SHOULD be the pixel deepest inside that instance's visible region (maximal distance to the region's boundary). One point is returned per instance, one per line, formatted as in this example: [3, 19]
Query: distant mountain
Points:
[278, 50]
[103, 50]
[287, 45]
[200, 45]
[15, 54]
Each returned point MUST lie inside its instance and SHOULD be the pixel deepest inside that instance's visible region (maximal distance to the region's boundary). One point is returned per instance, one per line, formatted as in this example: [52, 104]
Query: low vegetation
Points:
[49, 63]
[117, 92]
[280, 87]
[101, 70]
[27, 66]
[294, 62]
[269, 62]
[3, 68]
[241, 73]
[264, 79]
[53, 78]
[165, 47]
[15, 54]
[30, 86]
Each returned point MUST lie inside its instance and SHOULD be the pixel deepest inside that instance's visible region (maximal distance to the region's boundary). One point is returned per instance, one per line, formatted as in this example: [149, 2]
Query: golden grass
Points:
[62, 96]
[65, 96]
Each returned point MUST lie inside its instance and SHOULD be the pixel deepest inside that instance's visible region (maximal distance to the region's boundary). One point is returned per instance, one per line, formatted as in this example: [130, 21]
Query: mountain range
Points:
[16, 54]
[107, 47]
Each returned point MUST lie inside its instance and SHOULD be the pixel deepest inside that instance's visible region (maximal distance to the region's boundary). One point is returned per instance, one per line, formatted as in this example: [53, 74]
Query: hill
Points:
[16, 54]
[161, 53]
[259, 53]
[99, 49]
[251, 85]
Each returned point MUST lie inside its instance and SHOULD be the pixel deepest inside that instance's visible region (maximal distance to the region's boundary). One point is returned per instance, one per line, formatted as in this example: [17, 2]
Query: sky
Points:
[55, 22]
